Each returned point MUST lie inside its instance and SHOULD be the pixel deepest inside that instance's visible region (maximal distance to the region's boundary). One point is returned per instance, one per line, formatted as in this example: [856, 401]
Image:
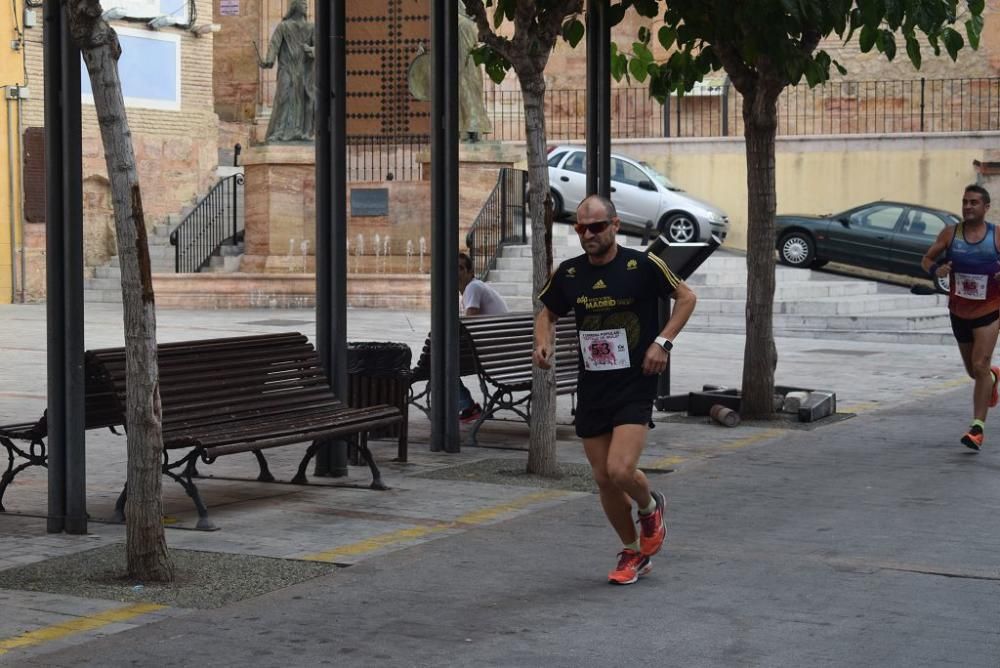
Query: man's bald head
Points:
[596, 207]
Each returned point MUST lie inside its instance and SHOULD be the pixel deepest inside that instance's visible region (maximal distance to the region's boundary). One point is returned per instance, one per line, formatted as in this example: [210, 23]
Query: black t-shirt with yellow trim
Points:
[612, 303]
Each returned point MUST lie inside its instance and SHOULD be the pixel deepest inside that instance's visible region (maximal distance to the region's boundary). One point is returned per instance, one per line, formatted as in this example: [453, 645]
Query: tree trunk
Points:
[760, 356]
[542, 445]
[146, 547]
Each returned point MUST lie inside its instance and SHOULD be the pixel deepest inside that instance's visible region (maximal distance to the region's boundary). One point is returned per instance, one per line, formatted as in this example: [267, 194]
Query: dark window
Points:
[34, 175]
[577, 163]
[556, 157]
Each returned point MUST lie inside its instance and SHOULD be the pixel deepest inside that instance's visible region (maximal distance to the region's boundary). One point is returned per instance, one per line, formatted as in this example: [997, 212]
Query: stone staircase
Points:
[105, 285]
[808, 304]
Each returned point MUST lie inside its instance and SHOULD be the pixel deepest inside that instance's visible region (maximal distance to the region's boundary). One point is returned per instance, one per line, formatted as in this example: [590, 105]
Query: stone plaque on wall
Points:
[383, 37]
[369, 201]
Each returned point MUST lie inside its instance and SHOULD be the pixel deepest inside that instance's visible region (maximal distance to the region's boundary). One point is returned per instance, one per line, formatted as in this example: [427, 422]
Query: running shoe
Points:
[470, 414]
[652, 531]
[631, 565]
[973, 438]
[995, 396]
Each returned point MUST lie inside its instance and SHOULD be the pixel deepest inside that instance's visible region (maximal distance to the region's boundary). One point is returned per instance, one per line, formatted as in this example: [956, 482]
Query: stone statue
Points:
[472, 118]
[293, 113]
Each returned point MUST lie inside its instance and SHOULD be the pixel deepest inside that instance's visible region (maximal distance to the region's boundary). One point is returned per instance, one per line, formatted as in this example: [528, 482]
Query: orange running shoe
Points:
[973, 438]
[995, 396]
[652, 529]
[631, 565]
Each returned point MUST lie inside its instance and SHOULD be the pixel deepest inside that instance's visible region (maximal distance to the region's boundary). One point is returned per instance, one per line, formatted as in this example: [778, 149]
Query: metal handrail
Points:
[214, 221]
[500, 222]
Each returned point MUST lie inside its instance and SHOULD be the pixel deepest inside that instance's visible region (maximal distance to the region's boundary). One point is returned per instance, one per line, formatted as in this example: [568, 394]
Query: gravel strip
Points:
[204, 579]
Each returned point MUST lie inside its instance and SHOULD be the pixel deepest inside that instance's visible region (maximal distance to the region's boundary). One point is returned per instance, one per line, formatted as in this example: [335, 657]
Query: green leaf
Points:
[887, 44]
[840, 68]
[974, 29]
[977, 6]
[913, 50]
[791, 8]
[573, 32]
[953, 42]
[644, 35]
[666, 37]
[637, 69]
[868, 37]
[616, 13]
[642, 53]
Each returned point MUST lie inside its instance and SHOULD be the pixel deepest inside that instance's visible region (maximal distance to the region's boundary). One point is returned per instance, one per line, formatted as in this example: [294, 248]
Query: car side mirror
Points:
[647, 185]
[846, 222]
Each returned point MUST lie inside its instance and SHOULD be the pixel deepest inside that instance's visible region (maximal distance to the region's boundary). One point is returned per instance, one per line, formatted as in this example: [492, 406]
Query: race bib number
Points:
[605, 350]
[971, 286]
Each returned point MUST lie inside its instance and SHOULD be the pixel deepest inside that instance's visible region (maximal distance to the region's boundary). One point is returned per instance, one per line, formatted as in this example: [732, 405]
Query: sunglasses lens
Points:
[593, 228]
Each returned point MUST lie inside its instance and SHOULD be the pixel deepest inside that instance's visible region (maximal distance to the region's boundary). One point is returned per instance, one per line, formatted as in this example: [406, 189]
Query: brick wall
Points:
[176, 151]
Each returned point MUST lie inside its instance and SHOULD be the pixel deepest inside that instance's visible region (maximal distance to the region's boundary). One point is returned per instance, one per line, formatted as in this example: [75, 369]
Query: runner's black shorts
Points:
[594, 421]
[962, 327]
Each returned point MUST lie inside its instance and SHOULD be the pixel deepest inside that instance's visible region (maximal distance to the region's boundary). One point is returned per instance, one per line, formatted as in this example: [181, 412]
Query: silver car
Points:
[641, 195]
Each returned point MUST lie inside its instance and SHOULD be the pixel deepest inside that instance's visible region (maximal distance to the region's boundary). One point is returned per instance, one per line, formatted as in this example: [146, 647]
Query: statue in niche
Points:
[293, 113]
[473, 121]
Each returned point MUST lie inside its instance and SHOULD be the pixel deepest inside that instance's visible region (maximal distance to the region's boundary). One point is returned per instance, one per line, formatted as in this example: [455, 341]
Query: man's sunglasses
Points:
[593, 228]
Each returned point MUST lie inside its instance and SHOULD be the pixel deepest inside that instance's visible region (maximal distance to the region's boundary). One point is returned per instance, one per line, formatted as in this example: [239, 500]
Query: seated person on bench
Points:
[478, 299]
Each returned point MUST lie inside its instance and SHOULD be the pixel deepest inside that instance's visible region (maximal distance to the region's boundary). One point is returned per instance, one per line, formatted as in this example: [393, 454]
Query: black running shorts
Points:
[962, 327]
[598, 420]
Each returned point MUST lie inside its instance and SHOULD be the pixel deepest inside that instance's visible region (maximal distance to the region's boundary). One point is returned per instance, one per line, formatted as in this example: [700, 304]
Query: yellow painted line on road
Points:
[765, 435]
[474, 518]
[78, 625]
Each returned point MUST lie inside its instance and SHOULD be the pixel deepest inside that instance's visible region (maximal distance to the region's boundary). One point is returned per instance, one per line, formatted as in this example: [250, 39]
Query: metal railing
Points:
[211, 223]
[501, 221]
[835, 108]
[386, 158]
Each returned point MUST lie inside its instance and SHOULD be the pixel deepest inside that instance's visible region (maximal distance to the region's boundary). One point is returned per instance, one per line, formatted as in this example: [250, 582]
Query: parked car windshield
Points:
[661, 179]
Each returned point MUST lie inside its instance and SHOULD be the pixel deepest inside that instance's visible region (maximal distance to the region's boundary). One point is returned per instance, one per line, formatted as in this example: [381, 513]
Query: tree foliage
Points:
[782, 36]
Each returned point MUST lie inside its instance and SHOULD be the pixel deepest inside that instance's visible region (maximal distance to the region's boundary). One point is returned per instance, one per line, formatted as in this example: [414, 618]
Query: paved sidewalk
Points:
[512, 568]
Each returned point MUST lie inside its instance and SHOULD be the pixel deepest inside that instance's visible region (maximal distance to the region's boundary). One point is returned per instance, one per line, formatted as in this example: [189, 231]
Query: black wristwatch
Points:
[664, 343]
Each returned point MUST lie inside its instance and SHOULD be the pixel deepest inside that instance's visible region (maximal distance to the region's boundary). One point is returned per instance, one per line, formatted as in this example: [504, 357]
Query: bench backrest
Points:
[231, 379]
[503, 346]
[466, 360]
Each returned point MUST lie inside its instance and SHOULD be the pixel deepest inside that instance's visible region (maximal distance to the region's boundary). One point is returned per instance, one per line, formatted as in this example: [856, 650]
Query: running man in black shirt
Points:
[614, 293]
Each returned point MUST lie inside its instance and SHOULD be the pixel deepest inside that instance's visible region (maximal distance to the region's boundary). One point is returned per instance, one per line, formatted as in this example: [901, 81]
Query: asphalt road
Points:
[870, 542]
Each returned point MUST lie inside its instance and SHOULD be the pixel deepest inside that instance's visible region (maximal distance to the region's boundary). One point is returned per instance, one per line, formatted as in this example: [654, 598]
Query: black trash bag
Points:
[377, 358]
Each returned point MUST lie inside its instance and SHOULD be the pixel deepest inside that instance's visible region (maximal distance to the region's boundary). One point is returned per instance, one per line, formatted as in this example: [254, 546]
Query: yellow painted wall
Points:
[11, 73]
[823, 174]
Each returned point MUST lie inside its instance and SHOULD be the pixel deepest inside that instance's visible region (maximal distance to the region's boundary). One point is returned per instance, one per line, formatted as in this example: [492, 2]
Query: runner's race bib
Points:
[605, 350]
[971, 286]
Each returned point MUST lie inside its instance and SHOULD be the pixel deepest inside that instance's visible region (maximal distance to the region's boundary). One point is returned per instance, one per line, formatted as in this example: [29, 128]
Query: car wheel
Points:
[679, 228]
[943, 284]
[797, 249]
[557, 205]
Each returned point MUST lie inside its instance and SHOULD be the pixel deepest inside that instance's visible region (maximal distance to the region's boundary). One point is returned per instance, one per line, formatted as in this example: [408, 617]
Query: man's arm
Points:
[545, 327]
[928, 262]
[656, 358]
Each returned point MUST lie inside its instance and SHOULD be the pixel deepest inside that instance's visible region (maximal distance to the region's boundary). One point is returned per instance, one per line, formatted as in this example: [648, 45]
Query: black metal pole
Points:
[55, 269]
[604, 100]
[593, 74]
[444, 227]
[331, 213]
[76, 455]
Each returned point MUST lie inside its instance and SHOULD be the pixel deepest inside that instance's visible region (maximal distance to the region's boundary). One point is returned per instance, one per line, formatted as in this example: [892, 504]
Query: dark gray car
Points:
[886, 236]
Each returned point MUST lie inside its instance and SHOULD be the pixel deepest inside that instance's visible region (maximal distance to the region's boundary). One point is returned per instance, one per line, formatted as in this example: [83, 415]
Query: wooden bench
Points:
[100, 411]
[241, 394]
[422, 371]
[497, 349]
